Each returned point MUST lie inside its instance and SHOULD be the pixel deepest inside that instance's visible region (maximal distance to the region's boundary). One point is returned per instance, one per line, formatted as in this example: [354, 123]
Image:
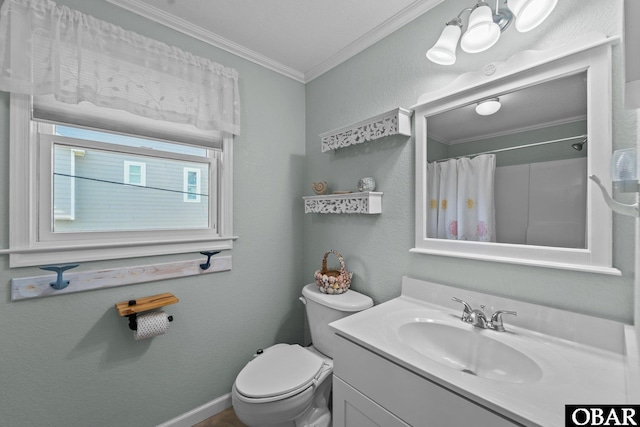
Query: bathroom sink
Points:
[470, 351]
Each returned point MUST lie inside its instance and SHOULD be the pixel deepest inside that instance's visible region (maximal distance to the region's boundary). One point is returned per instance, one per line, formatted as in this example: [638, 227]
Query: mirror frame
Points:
[591, 54]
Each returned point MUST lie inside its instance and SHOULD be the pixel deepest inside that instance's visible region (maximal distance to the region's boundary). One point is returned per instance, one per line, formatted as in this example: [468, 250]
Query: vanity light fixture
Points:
[488, 106]
[485, 25]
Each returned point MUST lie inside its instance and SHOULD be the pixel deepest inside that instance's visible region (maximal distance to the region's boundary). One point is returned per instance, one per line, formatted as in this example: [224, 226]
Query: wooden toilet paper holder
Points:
[132, 307]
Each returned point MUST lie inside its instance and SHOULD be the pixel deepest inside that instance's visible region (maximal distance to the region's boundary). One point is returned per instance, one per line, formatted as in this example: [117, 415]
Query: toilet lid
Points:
[278, 371]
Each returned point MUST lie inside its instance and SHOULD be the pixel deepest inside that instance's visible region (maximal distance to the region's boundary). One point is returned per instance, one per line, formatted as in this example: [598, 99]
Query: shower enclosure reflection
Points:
[536, 191]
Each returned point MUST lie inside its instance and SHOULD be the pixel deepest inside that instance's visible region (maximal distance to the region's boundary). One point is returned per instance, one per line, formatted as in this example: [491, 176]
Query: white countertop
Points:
[573, 372]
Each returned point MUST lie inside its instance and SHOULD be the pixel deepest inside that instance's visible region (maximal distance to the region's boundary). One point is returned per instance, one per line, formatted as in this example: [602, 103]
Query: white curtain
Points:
[460, 194]
[46, 49]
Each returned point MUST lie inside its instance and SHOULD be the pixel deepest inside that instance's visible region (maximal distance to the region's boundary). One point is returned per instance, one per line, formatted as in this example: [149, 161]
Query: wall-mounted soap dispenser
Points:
[624, 170]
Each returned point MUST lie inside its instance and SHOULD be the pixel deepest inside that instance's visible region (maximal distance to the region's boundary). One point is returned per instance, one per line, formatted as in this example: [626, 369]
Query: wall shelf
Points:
[394, 122]
[367, 202]
[126, 308]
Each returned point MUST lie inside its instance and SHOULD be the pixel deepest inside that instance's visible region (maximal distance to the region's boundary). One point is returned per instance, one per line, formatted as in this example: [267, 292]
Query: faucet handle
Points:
[496, 319]
[467, 308]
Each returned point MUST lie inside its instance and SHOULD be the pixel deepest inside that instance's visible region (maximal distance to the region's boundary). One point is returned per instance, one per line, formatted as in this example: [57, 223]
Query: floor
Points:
[226, 418]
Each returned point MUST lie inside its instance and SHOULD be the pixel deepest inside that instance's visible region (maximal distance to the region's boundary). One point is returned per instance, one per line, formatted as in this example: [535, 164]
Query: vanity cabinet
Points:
[370, 390]
[352, 408]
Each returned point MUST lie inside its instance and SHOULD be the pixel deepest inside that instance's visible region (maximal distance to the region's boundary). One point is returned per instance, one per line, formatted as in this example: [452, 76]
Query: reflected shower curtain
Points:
[461, 199]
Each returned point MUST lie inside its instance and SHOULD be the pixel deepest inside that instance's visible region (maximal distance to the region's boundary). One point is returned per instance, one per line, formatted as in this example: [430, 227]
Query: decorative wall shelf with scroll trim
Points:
[367, 202]
[394, 122]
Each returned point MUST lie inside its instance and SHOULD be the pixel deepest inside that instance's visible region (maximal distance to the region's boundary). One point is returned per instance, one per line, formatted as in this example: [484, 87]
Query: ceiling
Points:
[554, 102]
[301, 39]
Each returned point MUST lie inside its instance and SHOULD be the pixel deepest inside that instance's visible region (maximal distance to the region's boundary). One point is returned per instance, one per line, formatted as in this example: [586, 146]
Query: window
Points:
[75, 98]
[86, 194]
[135, 173]
[192, 186]
[106, 202]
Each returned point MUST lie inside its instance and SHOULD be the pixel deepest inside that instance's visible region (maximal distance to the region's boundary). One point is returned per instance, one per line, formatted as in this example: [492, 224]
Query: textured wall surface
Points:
[394, 73]
[71, 361]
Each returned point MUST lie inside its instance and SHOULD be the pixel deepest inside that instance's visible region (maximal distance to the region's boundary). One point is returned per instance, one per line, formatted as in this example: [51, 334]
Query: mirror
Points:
[538, 136]
[513, 186]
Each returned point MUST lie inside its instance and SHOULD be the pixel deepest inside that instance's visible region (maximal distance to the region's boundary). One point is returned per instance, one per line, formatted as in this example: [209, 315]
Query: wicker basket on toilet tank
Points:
[333, 281]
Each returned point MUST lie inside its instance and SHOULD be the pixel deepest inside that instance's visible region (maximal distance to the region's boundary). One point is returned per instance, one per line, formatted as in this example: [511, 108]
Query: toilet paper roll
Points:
[151, 325]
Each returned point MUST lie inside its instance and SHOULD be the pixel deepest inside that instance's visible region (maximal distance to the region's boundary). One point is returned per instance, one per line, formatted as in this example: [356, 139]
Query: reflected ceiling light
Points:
[488, 106]
[485, 25]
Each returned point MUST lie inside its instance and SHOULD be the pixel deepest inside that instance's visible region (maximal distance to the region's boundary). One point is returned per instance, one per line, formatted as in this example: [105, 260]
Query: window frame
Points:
[71, 216]
[31, 213]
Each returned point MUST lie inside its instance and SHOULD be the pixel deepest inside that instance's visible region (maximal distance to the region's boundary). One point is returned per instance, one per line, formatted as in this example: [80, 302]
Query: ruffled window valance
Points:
[76, 57]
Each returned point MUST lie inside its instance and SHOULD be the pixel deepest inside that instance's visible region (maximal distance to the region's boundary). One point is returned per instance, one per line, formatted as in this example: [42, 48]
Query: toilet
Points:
[288, 385]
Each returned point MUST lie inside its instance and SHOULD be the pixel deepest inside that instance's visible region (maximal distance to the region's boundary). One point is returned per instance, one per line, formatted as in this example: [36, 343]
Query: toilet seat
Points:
[278, 373]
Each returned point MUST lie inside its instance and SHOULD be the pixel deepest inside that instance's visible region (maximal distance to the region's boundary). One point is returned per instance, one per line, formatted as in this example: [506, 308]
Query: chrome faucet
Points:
[478, 319]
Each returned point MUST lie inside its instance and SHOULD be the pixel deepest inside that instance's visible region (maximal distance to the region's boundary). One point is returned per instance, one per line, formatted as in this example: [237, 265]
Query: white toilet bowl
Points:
[286, 386]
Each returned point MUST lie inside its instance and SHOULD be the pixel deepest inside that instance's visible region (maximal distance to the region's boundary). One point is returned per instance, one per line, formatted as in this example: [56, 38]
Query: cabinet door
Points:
[353, 409]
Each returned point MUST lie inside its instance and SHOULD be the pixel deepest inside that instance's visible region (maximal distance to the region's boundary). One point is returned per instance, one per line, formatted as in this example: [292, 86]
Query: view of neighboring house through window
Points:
[109, 182]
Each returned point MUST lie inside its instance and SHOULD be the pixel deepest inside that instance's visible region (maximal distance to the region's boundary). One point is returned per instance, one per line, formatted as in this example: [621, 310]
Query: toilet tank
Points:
[323, 309]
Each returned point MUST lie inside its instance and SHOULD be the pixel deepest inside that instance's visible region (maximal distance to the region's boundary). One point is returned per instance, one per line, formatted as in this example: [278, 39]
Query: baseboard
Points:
[201, 413]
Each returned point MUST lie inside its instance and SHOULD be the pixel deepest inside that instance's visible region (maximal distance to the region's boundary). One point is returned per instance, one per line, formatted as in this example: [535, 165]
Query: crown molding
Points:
[378, 33]
[392, 24]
